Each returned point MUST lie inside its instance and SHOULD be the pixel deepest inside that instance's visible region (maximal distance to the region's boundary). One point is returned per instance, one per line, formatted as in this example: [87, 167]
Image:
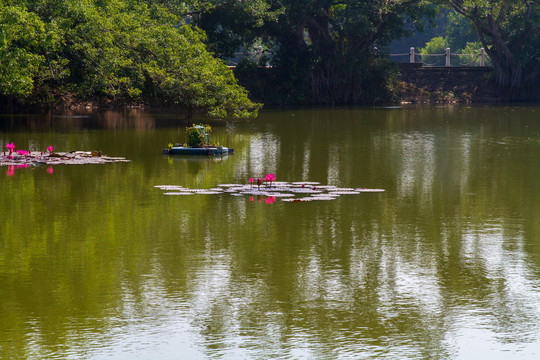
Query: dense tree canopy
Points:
[168, 52]
[112, 50]
[509, 31]
[322, 50]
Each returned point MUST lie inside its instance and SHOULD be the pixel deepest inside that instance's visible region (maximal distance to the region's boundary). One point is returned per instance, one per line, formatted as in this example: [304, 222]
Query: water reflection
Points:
[96, 263]
[92, 119]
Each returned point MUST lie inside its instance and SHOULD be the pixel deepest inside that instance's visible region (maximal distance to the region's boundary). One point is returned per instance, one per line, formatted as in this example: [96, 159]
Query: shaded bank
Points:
[103, 53]
[406, 84]
[427, 85]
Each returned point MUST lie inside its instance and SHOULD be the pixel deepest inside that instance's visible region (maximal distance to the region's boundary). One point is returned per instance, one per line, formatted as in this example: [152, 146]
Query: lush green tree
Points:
[322, 50]
[473, 49]
[508, 31]
[469, 54]
[459, 31]
[436, 45]
[115, 50]
[23, 40]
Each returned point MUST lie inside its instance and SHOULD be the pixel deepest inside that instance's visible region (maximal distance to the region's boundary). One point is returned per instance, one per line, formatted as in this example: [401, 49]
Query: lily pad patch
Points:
[304, 191]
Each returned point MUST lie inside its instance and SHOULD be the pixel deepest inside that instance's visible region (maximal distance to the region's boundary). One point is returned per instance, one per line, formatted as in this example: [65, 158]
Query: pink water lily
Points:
[251, 180]
[259, 182]
[22, 152]
[270, 178]
[10, 147]
[50, 149]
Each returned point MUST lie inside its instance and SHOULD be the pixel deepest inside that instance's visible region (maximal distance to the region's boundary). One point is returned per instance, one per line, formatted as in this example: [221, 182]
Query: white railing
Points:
[481, 56]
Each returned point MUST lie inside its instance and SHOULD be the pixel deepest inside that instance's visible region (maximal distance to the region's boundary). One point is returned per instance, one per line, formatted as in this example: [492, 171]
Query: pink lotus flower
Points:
[270, 178]
[11, 170]
[251, 181]
[10, 147]
[22, 152]
[50, 149]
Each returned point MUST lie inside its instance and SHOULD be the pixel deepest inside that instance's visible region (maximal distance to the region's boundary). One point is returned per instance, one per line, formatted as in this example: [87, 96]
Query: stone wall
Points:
[446, 84]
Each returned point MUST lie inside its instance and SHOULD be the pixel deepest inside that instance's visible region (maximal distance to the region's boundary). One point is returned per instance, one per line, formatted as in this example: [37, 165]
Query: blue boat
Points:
[209, 151]
[199, 147]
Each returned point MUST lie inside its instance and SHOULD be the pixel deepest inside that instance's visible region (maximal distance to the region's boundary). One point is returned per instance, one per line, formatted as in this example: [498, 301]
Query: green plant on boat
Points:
[198, 135]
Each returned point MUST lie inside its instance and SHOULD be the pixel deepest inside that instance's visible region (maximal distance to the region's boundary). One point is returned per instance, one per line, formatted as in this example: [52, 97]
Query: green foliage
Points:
[474, 48]
[459, 31]
[436, 45]
[114, 50]
[321, 51]
[22, 39]
[448, 24]
[197, 135]
[508, 33]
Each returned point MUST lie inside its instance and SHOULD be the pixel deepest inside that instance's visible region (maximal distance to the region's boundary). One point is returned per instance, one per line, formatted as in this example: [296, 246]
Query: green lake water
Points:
[98, 263]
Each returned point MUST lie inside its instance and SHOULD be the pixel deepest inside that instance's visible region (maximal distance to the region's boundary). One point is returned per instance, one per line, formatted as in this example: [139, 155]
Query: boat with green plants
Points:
[198, 143]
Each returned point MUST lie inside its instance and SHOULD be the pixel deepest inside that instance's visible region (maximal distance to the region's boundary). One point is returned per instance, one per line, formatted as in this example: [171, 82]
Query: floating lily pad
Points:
[289, 192]
[232, 190]
[281, 195]
[326, 195]
[170, 187]
[344, 192]
[302, 199]
[305, 191]
[255, 192]
[326, 187]
[56, 158]
[369, 190]
[277, 189]
[280, 183]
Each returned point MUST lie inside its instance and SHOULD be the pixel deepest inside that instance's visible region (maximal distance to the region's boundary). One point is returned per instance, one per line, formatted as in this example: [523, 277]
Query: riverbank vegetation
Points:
[111, 52]
[508, 30]
[175, 53]
[320, 52]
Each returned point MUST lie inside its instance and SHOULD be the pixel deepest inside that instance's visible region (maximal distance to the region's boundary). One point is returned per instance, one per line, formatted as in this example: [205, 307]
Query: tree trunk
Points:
[510, 75]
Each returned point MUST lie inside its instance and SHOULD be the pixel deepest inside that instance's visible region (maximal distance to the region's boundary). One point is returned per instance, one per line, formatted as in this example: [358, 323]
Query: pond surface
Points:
[98, 263]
